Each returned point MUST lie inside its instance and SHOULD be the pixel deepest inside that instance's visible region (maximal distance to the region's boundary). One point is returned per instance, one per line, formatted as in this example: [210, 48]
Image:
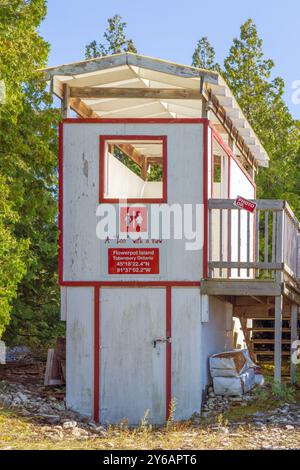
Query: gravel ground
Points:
[35, 417]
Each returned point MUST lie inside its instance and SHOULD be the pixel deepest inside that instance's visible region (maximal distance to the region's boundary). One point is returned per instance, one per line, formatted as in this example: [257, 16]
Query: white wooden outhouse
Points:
[145, 310]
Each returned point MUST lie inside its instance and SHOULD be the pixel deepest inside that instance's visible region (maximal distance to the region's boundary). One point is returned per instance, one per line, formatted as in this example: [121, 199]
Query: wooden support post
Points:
[278, 337]
[239, 241]
[248, 342]
[248, 242]
[65, 104]
[210, 238]
[294, 337]
[144, 170]
[229, 241]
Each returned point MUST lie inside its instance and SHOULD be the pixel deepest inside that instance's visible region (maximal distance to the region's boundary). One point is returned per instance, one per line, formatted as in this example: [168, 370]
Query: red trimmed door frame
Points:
[97, 352]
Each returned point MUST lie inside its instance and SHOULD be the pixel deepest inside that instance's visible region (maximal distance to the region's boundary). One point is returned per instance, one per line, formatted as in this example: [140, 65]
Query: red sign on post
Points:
[243, 203]
[133, 261]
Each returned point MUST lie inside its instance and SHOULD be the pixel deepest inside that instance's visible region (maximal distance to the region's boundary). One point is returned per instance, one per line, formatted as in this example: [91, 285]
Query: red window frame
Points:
[103, 139]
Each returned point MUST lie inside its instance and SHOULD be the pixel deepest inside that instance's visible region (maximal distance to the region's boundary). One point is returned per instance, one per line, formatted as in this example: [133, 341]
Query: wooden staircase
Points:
[260, 339]
[253, 262]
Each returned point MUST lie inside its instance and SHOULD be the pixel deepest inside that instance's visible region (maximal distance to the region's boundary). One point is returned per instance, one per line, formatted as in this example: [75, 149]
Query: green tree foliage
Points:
[28, 136]
[249, 75]
[12, 256]
[114, 40]
[122, 157]
[156, 173]
[204, 55]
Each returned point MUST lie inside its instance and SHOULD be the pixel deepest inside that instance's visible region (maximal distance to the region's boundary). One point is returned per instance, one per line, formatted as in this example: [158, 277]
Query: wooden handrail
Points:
[268, 241]
[261, 204]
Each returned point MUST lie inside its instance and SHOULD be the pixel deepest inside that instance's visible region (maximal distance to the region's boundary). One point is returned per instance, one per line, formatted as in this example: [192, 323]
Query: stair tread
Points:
[271, 353]
[268, 341]
[267, 330]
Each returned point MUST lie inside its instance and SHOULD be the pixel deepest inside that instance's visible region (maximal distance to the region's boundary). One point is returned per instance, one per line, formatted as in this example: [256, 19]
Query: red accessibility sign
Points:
[243, 203]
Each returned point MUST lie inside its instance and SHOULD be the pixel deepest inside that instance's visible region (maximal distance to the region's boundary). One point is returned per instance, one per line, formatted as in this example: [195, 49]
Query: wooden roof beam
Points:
[153, 93]
[229, 125]
[131, 153]
[155, 161]
[82, 109]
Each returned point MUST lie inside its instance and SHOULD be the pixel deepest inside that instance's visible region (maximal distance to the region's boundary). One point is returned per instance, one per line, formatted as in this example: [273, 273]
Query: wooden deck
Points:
[254, 263]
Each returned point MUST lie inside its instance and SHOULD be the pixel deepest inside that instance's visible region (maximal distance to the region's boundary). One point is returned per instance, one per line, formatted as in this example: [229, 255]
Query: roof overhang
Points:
[132, 85]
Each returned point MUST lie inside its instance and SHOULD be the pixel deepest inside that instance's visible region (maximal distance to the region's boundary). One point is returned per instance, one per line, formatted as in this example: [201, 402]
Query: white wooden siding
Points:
[241, 186]
[84, 254]
[80, 347]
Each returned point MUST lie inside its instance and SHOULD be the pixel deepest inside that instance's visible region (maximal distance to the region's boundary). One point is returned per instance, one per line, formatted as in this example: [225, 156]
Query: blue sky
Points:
[169, 29]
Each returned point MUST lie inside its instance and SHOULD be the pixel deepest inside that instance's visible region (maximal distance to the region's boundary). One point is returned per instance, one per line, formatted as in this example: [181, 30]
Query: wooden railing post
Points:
[279, 244]
[257, 220]
[294, 334]
[65, 105]
[229, 241]
[274, 239]
[279, 299]
[298, 256]
[210, 271]
[239, 241]
[278, 337]
[248, 242]
[221, 241]
[280, 240]
[266, 237]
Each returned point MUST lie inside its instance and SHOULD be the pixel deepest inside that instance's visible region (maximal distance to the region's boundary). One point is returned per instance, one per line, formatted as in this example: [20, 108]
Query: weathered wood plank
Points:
[256, 311]
[171, 68]
[246, 265]
[144, 170]
[271, 353]
[266, 239]
[269, 317]
[221, 241]
[65, 104]
[86, 66]
[239, 240]
[245, 300]
[116, 92]
[269, 341]
[278, 337]
[279, 237]
[229, 241]
[294, 337]
[249, 344]
[291, 215]
[52, 375]
[290, 279]
[262, 204]
[210, 241]
[82, 109]
[248, 242]
[131, 153]
[240, 287]
[291, 294]
[267, 330]
[273, 248]
[253, 309]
